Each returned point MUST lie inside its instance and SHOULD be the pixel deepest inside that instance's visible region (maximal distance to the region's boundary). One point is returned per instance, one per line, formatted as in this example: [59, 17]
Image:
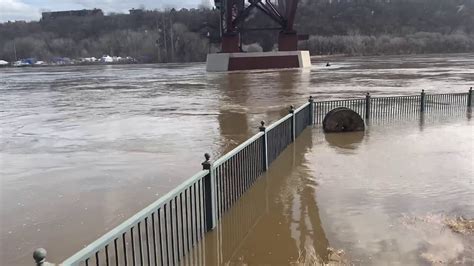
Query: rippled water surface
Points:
[83, 148]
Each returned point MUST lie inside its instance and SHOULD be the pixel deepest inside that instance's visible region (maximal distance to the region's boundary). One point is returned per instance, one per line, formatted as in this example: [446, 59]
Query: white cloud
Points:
[17, 10]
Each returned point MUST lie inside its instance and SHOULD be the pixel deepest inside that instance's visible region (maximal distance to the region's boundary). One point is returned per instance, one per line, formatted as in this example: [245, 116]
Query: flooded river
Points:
[83, 148]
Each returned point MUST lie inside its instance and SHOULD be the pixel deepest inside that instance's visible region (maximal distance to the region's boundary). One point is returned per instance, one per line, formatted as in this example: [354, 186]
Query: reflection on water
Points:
[349, 140]
[84, 147]
[399, 172]
[233, 123]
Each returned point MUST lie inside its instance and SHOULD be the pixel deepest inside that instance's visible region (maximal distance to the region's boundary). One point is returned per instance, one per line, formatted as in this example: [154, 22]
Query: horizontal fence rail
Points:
[166, 231]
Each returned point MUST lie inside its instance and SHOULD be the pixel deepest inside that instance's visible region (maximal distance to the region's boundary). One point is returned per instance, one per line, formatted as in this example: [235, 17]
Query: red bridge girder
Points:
[234, 13]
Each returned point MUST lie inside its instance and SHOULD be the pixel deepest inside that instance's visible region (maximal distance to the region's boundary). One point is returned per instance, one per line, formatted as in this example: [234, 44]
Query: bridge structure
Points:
[233, 15]
[235, 12]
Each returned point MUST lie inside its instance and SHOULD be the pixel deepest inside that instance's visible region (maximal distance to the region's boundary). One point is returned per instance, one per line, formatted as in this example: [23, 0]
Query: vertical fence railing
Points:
[166, 231]
[367, 106]
[263, 129]
[469, 98]
[435, 102]
[279, 136]
[236, 171]
[209, 192]
[323, 107]
[386, 109]
[302, 118]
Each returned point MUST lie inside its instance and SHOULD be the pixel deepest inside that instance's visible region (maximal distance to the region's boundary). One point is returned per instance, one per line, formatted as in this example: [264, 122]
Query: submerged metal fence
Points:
[165, 232]
[374, 109]
[323, 107]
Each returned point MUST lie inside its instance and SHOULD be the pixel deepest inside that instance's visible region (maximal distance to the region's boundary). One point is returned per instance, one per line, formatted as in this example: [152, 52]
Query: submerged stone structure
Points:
[343, 119]
[233, 14]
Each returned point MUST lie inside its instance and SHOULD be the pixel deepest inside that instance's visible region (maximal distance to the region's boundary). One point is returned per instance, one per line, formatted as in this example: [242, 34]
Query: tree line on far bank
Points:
[356, 27]
[152, 36]
[417, 43]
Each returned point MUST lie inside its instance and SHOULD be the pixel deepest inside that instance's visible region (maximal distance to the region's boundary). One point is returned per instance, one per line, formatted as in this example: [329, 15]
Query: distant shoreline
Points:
[313, 57]
[65, 65]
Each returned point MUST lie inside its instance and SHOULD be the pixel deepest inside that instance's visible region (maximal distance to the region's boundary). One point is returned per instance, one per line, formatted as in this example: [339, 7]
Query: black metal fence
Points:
[279, 136]
[383, 108]
[303, 117]
[235, 174]
[166, 231]
[380, 109]
[321, 108]
[435, 102]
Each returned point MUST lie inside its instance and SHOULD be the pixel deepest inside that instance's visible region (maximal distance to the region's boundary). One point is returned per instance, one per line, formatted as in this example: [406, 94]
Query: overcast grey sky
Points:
[31, 9]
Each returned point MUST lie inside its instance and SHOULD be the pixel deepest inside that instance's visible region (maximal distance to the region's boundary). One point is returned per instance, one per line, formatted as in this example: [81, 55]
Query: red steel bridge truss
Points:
[233, 13]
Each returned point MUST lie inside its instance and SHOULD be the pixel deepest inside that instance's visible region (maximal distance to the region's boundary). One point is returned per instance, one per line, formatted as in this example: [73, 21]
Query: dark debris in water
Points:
[460, 225]
[308, 256]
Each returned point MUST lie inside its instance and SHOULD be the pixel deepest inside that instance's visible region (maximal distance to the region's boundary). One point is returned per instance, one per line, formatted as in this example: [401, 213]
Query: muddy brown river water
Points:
[83, 148]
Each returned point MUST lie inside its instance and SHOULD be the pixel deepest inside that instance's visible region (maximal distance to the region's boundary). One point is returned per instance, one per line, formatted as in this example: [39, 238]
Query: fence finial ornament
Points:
[40, 256]
[367, 106]
[206, 165]
[422, 101]
[262, 127]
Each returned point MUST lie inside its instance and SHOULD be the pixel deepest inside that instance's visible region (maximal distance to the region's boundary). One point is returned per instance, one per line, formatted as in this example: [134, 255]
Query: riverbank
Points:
[323, 58]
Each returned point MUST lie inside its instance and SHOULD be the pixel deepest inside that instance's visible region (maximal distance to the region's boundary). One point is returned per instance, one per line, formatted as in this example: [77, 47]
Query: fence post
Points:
[422, 101]
[311, 110]
[469, 98]
[39, 256]
[209, 195]
[367, 106]
[265, 145]
[293, 124]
